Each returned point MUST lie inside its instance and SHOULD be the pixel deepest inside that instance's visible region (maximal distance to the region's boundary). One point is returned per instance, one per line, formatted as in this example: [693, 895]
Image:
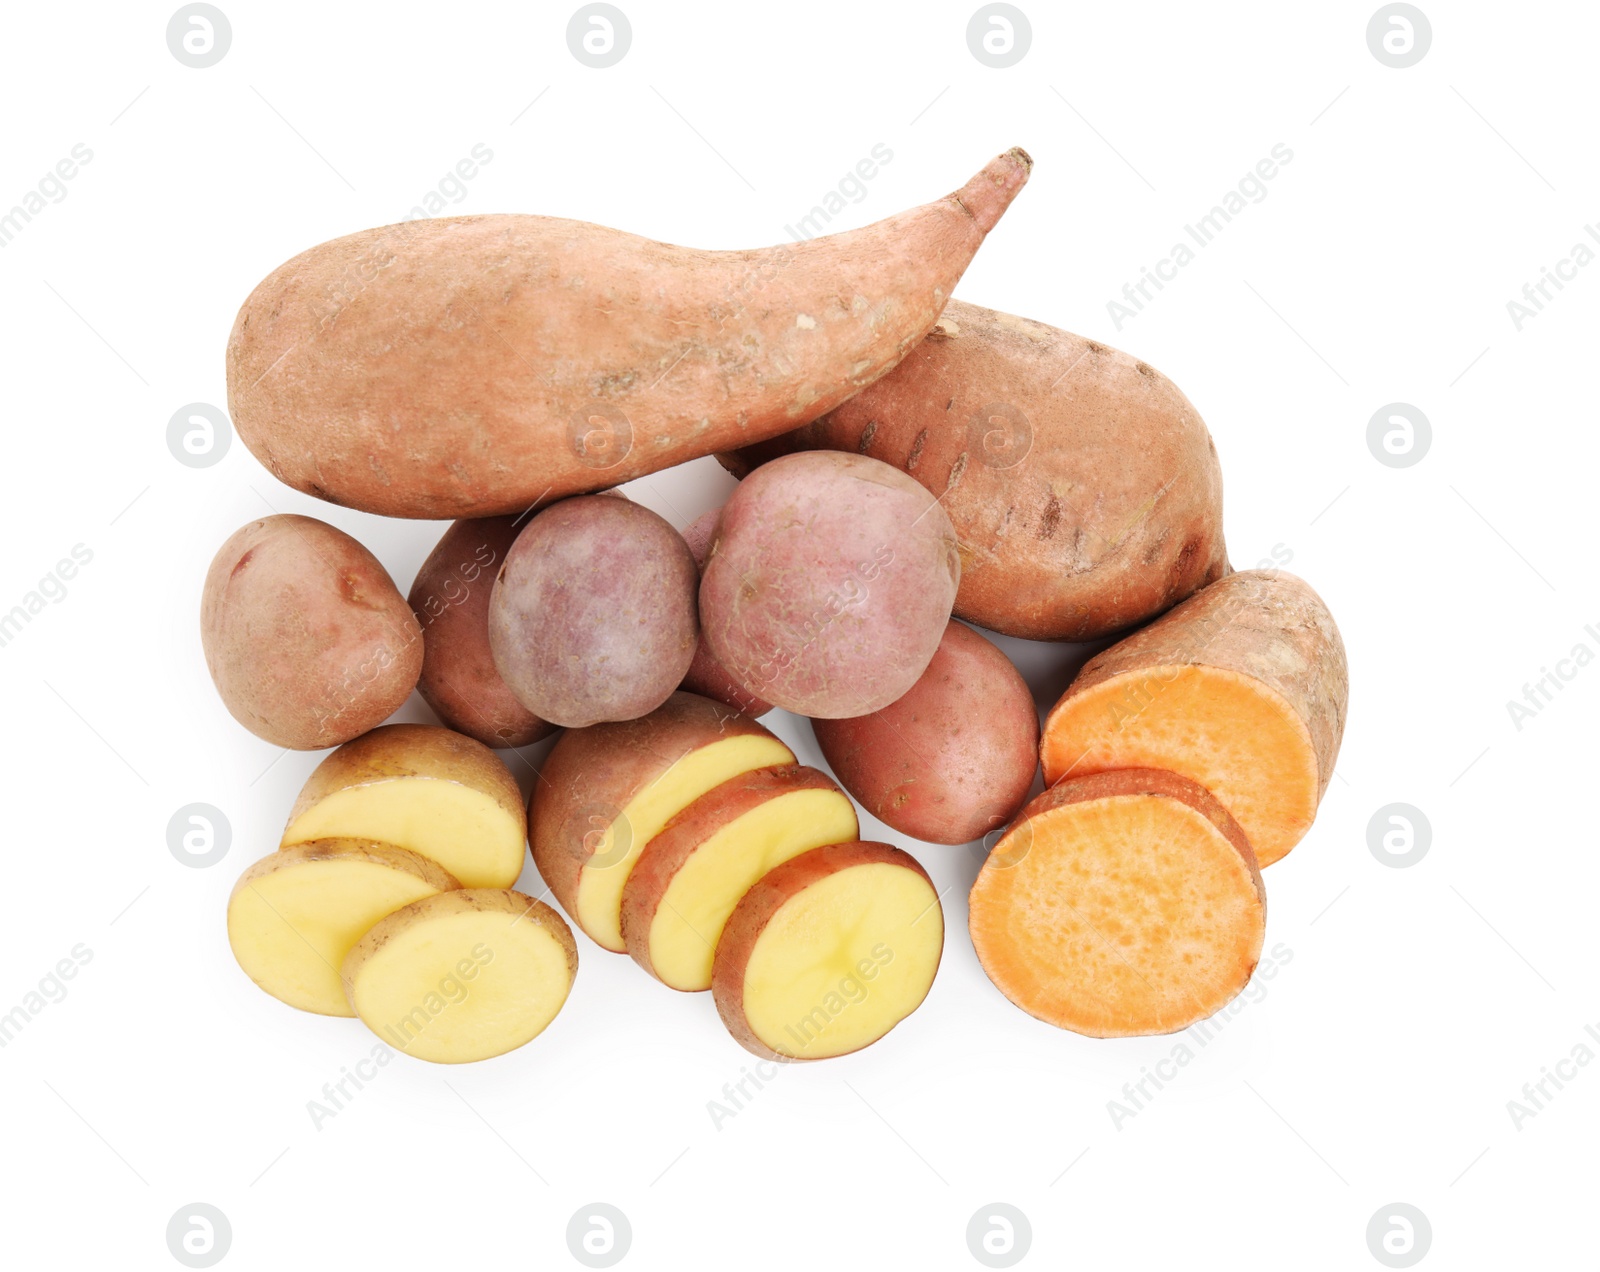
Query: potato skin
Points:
[592, 616]
[474, 366]
[954, 757]
[306, 637]
[829, 583]
[450, 597]
[707, 676]
[1083, 485]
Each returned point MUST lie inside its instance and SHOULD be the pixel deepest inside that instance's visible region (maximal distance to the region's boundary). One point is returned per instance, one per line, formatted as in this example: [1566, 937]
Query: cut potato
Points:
[1242, 688]
[1120, 904]
[293, 916]
[606, 790]
[420, 787]
[689, 877]
[828, 952]
[462, 975]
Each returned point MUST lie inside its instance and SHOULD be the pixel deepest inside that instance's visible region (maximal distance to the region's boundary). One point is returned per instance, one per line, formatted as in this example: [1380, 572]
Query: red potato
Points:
[954, 757]
[606, 791]
[689, 877]
[450, 598]
[476, 366]
[306, 637]
[1120, 904]
[829, 583]
[1082, 484]
[1243, 688]
[706, 675]
[828, 952]
[592, 615]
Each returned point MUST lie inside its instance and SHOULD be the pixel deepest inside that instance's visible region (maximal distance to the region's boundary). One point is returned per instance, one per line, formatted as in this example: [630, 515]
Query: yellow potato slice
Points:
[462, 975]
[417, 786]
[294, 916]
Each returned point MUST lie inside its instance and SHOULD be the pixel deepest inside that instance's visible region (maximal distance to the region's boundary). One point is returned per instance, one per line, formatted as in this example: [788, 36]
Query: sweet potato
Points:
[1119, 904]
[450, 597]
[1242, 688]
[706, 676]
[829, 583]
[954, 757]
[473, 366]
[1083, 486]
[307, 639]
[592, 616]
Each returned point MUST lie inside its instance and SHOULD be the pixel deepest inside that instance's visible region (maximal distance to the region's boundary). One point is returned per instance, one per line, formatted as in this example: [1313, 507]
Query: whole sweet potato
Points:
[828, 584]
[307, 639]
[1083, 486]
[592, 616]
[450, 597]
[471, 366]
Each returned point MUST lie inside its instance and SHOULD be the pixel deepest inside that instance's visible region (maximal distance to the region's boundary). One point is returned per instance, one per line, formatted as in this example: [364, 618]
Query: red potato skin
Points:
[450, 597]
[829, 583]
[1083, 485]
[665, 855]
[750, 917]
[478, 366]
[707, 676]
[952, 759]
[591, 774]
[306, 637]
[592, 615]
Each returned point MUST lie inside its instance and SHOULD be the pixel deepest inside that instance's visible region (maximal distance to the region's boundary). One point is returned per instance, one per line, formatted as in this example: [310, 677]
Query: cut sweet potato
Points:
[463, 975]
[1243, 688]
[294, 915]
[420, 787]
[606, 790]
[688, 878]
[828, 952]
[1120, 904]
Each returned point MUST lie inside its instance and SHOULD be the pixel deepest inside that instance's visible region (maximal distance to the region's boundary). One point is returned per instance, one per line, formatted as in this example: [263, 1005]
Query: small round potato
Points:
[829, 583]
[592, 616]
[450, 597]
[707, 677]
[951, 760]
[308, 640]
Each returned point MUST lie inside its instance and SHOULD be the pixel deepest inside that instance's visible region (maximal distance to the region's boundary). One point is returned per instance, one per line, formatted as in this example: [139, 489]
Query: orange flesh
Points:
[1118, 917]
[1230, 733]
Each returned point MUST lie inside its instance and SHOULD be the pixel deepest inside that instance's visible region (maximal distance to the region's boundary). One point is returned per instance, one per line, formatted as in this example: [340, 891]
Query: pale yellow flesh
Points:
[807, 991]
[453, 988]
[291, 929]
[599, 903]
[704, 891]
[469, 833]
[1232, 734]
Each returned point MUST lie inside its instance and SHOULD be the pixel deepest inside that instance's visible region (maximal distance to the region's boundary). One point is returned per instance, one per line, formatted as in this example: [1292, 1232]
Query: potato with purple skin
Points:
[951, 760]
[450, 598]
[306, 636]
[829, 583]
[707, 676]
[592, 616]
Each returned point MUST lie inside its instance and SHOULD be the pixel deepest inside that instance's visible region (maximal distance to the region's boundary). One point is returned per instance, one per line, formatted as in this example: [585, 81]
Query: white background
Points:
[1378, 1064]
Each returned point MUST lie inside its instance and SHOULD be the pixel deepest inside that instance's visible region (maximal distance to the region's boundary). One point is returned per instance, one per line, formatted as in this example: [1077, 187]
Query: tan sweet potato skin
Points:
[954, 757]
[591, 774]
[1083, 486]
[450, 597]
[307, 639]
[474, 366]
[1266, 624]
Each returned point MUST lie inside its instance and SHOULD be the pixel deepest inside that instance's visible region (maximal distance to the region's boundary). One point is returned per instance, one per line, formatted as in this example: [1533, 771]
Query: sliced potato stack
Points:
[1120, 904]
[293, 916]
[420, 787]
[462, 975]
[828, 952]
[688, 878]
